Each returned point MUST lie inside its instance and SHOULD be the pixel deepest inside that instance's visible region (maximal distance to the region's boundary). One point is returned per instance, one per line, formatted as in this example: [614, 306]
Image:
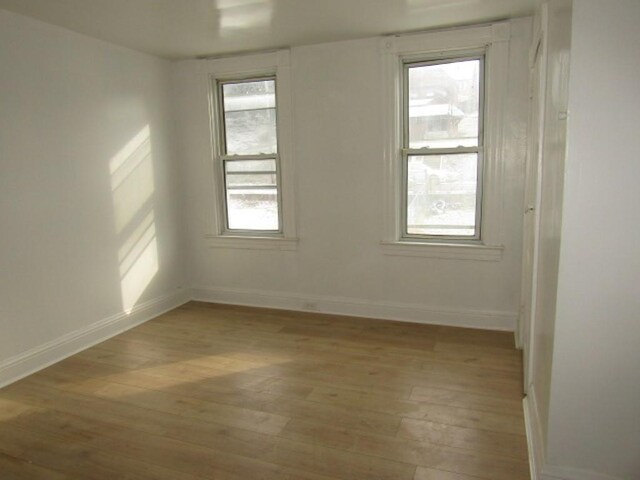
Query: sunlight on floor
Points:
[10, 409]
[168, 374]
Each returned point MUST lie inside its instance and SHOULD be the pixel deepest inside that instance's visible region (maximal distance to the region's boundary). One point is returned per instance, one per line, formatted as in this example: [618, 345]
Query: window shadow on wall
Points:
[133, 188]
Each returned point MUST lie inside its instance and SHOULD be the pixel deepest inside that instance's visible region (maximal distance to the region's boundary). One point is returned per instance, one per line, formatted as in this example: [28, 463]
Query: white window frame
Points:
[225, 157]
[396, 51]
[407, 151]
[275, 65]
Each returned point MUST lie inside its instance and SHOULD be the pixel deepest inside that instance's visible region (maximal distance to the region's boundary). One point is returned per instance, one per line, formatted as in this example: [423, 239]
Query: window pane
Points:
[441, 194]
[252, 195]
[250, 117]
[250, 209]
[444, 103]
[251, 166]
[251, 180]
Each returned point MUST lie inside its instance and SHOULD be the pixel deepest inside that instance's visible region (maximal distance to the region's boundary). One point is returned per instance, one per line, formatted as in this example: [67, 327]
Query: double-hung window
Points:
[442, 147]
[446, 153]
[250, 194]
[247, 114]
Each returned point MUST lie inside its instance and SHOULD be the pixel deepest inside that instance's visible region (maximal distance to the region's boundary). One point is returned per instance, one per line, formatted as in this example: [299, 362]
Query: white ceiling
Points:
[191, 28]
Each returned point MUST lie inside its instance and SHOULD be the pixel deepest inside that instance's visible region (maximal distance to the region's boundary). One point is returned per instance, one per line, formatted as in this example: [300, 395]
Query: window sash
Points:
[405, 197]
[231, 188]
[222, 137]
[223, 158]
[406, 152]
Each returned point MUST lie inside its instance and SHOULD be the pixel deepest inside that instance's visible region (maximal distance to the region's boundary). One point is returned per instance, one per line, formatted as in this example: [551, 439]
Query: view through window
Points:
[442, 148]
[250, 154]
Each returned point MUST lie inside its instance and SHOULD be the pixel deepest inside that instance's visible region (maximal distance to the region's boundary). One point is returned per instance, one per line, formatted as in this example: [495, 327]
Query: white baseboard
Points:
[540, 470]
[534, 434]
[42, 356]
[554, 472]
[488, 320]
[516, 339]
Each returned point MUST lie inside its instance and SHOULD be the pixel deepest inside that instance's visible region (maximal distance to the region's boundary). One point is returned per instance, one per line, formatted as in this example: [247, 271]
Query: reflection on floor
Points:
[218, 392]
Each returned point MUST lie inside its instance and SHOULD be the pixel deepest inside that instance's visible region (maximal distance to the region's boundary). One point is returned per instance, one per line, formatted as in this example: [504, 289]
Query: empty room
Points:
[319, 239]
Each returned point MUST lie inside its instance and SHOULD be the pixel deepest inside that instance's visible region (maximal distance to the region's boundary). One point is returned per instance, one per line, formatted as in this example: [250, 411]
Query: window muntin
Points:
[250, 161]
[442, 148]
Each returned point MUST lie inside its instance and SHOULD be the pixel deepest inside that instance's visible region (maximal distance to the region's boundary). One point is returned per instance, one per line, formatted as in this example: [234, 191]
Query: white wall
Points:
[339, 264]
[594, 419]
[88, 190]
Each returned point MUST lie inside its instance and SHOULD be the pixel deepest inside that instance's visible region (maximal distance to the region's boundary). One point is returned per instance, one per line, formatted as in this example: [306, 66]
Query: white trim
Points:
[495, 39]
[541, 25]
[540, 470]
[479, 319]
[534, 434]
[392, 113]
[252, 243]
[242, 64]
[495, 153]
[458, 251]
[458, 38]
[19, 366]
[552, 472]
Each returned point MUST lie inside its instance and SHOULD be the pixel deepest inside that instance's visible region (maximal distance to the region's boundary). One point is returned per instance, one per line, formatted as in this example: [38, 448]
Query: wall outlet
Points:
[308, 305]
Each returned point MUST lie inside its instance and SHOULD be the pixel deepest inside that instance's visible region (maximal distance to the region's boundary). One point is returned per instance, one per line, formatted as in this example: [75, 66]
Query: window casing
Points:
[214, 212]
[442, 145]
[490, 43]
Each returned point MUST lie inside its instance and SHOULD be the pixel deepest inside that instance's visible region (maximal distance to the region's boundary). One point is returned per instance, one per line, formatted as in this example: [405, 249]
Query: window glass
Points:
[250, 117]
[252, 195]
[443, 148]
[443, 104]
[441, 194]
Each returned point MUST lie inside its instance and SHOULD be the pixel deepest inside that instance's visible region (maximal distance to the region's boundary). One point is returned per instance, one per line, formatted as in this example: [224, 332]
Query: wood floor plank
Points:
[479, 440]
[34, 446]
[444, 433]
[286, 338]
[493, 358]
[230, 393]
[224, 414]
[444, 414]
[13, 468]
[472, 401]
[458, 460]
[82, 441]
[301, 371]
[197, 340]
[239, 445]
[260, 411]
[432, 474]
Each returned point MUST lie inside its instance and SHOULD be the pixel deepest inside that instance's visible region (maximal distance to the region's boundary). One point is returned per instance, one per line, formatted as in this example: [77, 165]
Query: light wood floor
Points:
[231, 393]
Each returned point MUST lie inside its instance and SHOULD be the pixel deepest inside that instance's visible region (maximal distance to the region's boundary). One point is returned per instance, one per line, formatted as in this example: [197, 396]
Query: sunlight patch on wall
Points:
[132, 186]
[131, 178]
[138, 262]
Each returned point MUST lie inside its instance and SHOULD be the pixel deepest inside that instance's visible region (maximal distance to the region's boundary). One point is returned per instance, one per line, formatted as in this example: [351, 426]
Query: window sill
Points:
[252, 243]
[456, 251]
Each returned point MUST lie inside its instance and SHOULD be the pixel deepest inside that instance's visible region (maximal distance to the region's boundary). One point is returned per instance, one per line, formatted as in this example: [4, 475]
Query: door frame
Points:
[537, 80]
